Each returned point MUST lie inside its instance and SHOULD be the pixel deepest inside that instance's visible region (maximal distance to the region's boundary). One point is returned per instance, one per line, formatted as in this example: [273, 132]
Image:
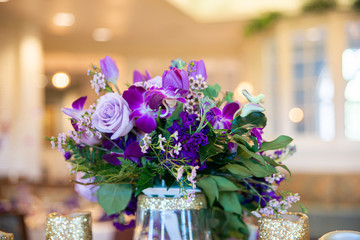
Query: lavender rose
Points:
[112, 115]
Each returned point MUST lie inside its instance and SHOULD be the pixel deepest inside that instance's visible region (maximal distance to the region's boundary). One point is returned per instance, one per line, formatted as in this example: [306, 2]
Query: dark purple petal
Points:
[134, 114]
[79, 103]
[67, 155]
[154, 99]
[113, 158]
[109, 69]
[134, 97]
[133, 150]
[146, 123]
[229, 110]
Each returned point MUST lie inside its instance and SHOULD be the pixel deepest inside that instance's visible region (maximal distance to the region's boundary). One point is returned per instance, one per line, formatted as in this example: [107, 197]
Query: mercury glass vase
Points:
[162, 216]
[291, 226]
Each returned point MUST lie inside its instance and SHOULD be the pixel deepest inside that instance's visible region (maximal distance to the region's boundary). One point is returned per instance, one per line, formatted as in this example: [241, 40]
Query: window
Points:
[313, 88]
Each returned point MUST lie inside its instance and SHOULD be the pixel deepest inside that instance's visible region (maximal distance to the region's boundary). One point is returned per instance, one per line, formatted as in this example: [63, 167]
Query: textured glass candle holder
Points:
[6, 236]
[173, 218]
[291, 226]
[73, 227]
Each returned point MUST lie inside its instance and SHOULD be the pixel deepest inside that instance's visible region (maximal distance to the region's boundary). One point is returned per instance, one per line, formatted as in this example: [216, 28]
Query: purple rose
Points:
[112, 115]
[109, 69]
[86, 191]
[176, 78]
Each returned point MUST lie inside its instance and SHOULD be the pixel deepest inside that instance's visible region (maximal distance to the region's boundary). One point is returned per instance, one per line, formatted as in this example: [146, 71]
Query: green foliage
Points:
[213, 148]
[229, 97]
[210, 189]
[280, 142]
[262, 23]
[174, 116]
[238, 170]
[319, 6]
[230, 202]
[114, 198]
[241, 125]
[258, 169]
[212, 91]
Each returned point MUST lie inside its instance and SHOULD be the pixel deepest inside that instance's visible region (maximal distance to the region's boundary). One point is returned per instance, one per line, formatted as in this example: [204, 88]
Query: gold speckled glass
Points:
[171, 218]
[6, 236]
[292, 226]
[76, 226]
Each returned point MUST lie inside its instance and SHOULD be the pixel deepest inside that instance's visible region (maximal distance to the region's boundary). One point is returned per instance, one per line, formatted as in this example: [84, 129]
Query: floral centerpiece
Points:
[177, 130]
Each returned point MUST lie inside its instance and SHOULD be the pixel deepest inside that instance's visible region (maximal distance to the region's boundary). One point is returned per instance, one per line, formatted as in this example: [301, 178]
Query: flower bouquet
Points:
[175, 130]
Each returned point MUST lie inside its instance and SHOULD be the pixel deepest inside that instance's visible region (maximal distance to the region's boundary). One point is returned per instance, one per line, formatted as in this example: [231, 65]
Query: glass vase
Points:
[292, 226]
[167, 216]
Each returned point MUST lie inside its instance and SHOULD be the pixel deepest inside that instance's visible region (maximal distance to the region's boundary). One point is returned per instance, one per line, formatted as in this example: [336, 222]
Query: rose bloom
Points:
[112, 115]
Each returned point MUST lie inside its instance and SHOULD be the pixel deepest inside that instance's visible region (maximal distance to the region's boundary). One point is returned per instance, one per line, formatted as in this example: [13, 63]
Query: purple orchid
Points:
[77, 108]
[145, 105]
[176, 78]
[197, 69]
[222, 119]
[109, 69]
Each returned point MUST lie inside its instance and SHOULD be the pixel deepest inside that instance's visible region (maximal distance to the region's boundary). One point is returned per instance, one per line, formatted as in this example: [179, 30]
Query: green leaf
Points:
[209, 187]
[230, 202]
[240, 125]
[280, 142]
[174, 116]
[145, 180]
[229, 97]
[211, 149]
[275, 164]
[212, 91]
[238, 170]
[257, 169]
[224, 184]
[114, 198]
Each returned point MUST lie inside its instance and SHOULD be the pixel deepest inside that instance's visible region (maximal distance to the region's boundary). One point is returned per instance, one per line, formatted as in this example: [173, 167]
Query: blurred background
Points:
[303, 55]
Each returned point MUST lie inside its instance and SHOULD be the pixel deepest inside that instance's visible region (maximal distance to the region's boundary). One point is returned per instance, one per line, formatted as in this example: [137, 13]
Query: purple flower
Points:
[222, 119]
[86, 191]
[67, 155]
[197, 69]
[109, 69]
[112, 115]
[132, 153]
[176, 78]
[257, 132]
[77, 108]
[145, 105]
[145, 116]
[138, 77]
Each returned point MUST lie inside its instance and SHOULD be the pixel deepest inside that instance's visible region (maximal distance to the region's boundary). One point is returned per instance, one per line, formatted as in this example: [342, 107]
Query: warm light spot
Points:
[102, 34]
[60, 80]
[296, 115]
[64, 19]
[238, 91]
[3, 1]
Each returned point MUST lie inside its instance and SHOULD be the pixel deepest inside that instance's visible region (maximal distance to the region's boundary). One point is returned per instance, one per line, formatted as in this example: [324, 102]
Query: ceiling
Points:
[140, 27]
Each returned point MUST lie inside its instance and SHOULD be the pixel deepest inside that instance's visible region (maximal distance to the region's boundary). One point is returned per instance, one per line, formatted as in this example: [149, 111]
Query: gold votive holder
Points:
[6, 236]
[291, 226]
[75, 226]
